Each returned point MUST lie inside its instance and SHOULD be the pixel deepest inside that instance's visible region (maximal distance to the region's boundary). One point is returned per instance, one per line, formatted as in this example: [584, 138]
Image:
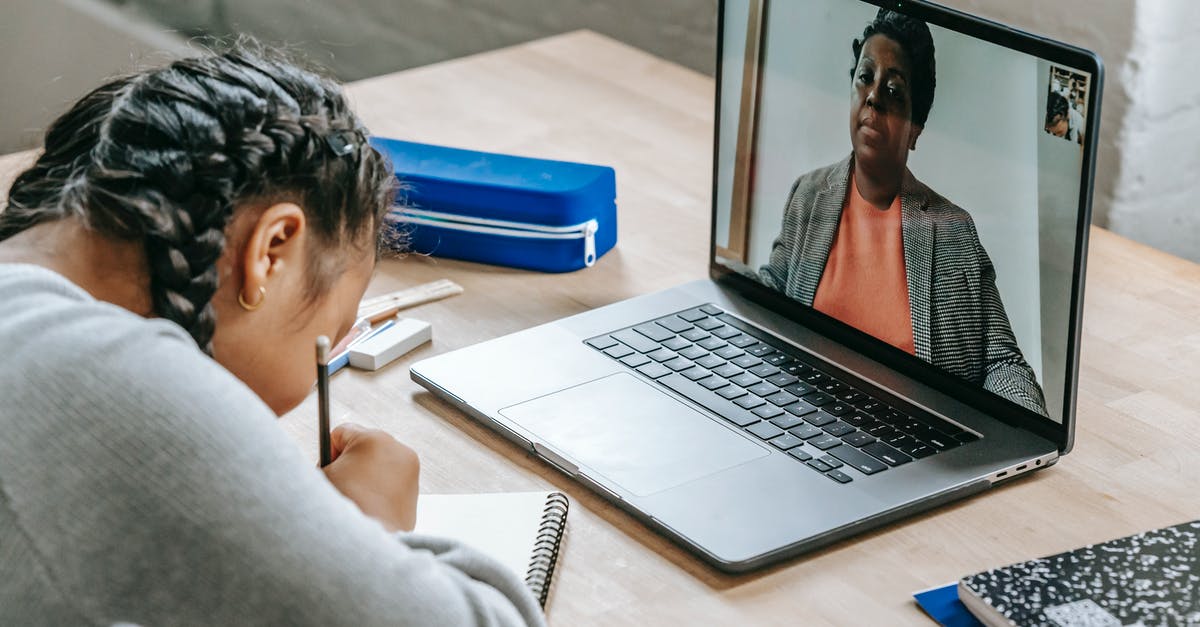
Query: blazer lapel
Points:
[821, 228]
[918, 234]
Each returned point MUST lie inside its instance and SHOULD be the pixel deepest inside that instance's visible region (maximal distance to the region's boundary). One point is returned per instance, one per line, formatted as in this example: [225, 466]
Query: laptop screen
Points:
[916, 183]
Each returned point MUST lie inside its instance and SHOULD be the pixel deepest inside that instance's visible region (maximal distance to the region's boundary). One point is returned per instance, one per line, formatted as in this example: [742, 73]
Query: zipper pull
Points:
[589, 242]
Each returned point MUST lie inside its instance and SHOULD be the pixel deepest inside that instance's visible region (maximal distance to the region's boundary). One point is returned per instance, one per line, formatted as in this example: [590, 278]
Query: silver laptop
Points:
[899, 225]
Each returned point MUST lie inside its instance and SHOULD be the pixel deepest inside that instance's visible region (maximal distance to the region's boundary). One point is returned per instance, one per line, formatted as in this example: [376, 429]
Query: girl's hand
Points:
[377, 472]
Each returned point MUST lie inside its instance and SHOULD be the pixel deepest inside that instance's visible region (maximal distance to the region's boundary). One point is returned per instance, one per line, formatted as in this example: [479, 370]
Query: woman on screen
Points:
[867, 243]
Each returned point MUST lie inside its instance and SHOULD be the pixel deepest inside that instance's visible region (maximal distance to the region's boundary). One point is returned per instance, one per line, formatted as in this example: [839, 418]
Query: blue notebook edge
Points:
[942, 605]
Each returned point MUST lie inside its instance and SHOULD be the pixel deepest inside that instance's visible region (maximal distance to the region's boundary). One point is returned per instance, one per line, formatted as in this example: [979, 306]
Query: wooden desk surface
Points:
[583, 97]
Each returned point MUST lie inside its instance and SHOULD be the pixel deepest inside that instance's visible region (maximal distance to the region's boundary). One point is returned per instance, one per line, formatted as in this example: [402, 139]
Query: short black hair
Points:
[916, 41]
[1056, 104]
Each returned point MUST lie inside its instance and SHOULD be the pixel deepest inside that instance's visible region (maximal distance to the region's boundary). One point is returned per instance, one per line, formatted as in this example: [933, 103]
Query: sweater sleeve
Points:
[155, 488]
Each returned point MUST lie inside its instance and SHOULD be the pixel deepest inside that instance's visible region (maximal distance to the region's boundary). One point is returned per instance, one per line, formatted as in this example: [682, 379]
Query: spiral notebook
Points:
[522, 530]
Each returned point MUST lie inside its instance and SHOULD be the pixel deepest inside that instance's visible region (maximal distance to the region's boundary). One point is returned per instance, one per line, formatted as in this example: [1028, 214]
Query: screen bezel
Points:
[1061, 432]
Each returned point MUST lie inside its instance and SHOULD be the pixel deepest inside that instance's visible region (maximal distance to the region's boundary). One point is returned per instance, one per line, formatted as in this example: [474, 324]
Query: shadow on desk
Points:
[624, 522]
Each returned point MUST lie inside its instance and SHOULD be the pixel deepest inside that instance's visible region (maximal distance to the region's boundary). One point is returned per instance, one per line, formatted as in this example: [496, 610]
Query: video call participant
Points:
[867, 243]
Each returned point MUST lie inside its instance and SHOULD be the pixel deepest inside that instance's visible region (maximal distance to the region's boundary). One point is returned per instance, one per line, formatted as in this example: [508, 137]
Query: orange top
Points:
[865, 284]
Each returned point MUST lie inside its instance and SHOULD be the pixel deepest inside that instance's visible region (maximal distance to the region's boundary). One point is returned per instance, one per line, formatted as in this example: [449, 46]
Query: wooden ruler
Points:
[387, 305]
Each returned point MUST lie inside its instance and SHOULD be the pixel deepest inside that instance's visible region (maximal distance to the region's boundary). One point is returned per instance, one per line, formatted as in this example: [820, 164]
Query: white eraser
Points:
[390, 344]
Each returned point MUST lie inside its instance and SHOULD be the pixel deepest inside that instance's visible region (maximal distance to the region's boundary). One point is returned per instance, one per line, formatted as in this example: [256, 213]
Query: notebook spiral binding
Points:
[545, 548]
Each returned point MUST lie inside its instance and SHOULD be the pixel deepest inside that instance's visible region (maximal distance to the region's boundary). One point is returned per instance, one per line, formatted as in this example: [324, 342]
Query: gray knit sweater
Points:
[140, 482]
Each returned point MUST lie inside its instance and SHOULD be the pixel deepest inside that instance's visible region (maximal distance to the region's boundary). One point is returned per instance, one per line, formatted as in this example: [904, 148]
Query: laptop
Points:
[891, 322]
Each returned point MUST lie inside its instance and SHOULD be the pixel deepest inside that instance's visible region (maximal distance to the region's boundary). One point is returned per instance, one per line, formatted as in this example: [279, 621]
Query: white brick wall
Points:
[1159, 182]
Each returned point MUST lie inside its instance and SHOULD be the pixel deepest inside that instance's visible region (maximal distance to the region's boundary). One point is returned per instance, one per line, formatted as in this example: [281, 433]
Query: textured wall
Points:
[1159, 182]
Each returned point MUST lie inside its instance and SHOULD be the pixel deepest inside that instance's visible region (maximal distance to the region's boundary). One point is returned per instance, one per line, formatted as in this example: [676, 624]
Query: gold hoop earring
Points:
[262, 296]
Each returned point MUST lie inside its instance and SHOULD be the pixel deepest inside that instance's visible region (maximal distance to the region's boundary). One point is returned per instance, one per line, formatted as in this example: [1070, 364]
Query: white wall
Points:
[1158, 187]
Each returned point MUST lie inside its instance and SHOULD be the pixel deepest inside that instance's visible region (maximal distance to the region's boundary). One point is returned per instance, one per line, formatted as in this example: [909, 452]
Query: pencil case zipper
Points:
[457, 222]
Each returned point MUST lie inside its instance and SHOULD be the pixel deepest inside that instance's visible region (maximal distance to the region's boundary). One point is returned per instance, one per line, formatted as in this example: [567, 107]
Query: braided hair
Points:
[165, 156]
[917, 42]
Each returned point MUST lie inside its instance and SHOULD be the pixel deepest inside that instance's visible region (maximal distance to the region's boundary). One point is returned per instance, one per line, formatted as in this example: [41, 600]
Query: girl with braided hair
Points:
[165, 266]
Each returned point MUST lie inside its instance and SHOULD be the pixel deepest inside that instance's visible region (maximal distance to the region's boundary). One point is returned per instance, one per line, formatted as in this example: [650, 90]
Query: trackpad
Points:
[632, 434]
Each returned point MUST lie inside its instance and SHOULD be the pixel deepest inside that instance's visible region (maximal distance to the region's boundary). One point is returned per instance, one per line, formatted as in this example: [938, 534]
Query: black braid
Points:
[167, 156]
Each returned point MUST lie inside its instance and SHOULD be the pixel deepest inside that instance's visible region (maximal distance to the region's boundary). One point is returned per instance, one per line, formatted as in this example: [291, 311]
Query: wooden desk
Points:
[584, 97]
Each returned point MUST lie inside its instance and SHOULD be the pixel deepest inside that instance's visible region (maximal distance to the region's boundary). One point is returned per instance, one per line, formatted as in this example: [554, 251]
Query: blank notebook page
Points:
[503, 525]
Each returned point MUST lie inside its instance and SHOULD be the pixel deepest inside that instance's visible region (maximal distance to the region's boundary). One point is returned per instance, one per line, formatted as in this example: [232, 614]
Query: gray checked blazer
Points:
[958, 320]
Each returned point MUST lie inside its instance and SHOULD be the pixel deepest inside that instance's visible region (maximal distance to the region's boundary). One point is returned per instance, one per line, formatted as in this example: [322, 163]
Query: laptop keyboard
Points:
[778, 394]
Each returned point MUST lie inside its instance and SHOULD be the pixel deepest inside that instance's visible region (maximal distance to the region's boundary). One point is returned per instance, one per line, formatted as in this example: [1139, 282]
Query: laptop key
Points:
[710, 361]
[858, 419]
[838, 428]
[749, 401]
[729, 352]
[636, 341]
[800, 454]
[746, 361]
[781, 399]
[887, 454]
[713, 383]
[800, 388]
[765, 430]
[782, 379]
[679, 364]
[634, 360]
[709, 401]
[800, 408]
[693, 315]
[837, 408]
[806, 432]
[695, 335]
[819, 419]
[731, 392]
[920, 451]
[654, 370]
[711, 343]
[857, 460]
[852, 396]
[695, 373]
[654, 332]
[708, 324]
[602, 342]
[762, 388]
[839, 476]
[818, 465]
[676, 343]
[818, 398]
[825, 442]
[693, 352]
[724, 332]
[777, 359]
[942, 443]
[765, 370]
[741, 341]
[766, 412]
[786, 441]
[760, 350]
[712, 310]
[745, 380]
[674, 324]
[618, 351]
[662, 354]
[797, 368]
[727, 371]
[831, 461]
[858, 438]
[872, 406]
[787, 421]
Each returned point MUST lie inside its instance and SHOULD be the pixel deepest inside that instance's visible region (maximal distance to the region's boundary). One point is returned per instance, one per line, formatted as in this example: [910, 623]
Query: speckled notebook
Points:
[1151, 578]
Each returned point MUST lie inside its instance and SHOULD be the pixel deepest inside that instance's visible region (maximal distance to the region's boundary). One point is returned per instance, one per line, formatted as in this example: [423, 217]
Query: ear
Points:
[275, 243]
[913, 135]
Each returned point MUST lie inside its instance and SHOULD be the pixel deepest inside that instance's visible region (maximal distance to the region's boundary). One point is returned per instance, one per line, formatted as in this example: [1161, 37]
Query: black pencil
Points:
[323, 398]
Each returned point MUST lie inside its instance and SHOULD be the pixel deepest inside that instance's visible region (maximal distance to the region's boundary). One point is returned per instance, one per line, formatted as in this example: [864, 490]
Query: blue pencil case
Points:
[536, 214]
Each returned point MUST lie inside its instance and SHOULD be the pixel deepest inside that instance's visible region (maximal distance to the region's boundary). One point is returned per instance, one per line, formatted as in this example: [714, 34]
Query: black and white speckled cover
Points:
[1151, 578]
